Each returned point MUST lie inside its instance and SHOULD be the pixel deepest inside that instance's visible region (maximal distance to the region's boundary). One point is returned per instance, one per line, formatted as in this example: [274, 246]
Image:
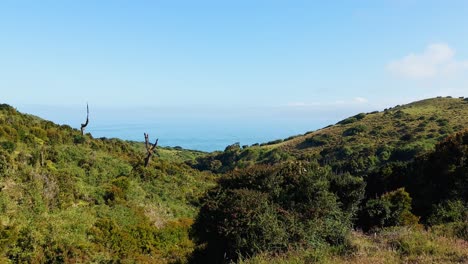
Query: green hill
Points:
[359, 143]
[71, 198]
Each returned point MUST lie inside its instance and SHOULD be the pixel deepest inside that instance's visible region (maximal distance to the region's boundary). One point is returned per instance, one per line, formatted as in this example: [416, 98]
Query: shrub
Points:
[400, 207]
[39, 132]
[448, 211]
[274, 142]
[349, 190]
[5, 162]
[391, 209]
[360, 116]
[376, 213]
[354, 130]
[315, 141]
[8, 146]
[79, 139]
[270, 209]
[54, 136]
[349, 120]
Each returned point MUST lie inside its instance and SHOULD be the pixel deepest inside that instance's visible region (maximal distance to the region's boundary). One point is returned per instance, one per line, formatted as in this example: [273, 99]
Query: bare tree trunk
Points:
[149, 149]
[83, 126]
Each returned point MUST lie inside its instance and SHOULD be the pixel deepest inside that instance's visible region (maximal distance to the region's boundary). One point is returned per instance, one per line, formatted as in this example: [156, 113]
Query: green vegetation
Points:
[400, 175]
[272, 209]
[71, 198]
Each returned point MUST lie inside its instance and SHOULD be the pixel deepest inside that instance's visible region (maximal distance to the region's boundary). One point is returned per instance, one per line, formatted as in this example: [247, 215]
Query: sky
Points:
[244, 59]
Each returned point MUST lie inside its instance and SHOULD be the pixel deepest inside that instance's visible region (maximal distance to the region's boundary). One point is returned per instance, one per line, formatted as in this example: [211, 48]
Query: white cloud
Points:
[438, 59]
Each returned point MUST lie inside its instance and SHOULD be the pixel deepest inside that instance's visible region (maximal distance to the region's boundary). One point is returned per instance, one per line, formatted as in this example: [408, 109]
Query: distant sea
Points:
[205, 129]
[207, 135]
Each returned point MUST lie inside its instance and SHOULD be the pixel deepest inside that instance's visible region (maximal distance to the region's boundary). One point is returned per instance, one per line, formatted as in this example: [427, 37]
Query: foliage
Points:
[270, 209]
[391, 209]
[66, 197]
[441, 175]
[448, 211]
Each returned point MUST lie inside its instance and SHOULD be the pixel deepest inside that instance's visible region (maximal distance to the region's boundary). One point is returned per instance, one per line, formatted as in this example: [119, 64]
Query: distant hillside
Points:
[65, 197]
[359, 143]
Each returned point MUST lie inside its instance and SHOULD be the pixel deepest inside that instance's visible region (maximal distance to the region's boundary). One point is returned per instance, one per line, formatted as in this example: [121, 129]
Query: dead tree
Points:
[83, 126]
[149, 149]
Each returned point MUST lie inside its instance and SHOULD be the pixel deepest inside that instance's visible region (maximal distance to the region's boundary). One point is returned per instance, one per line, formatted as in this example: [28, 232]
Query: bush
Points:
[354, 130]
[8, 146]
[5, 162]
[448, 211]
[360, 116]
[269, 209]
[391, 209]
[315, 141]
[349, 120]
[79, 139]
[349, 190]
[39, 132]
[400, 208]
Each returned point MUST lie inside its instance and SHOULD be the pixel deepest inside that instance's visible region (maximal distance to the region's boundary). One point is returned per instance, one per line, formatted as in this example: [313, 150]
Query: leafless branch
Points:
[150, 148]
[83, 126]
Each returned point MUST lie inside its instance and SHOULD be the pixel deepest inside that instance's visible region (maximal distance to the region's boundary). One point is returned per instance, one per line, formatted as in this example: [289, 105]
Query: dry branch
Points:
[149, 148]
[83, 126]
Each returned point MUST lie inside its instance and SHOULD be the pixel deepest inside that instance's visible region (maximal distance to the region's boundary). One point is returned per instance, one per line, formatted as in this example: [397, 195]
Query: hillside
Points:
[71, 198]
[423, 122]
[399, 175]
[359, 143]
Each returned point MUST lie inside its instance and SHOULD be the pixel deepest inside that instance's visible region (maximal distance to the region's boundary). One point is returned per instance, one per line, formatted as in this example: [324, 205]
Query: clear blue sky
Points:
[297, 56]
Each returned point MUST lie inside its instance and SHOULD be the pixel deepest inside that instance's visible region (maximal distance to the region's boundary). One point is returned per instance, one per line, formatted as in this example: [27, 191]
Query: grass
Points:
[393, 245]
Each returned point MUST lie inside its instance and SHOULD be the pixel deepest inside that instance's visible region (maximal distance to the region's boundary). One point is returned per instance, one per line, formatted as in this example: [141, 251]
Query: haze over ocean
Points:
[206, 135]
[192, 128]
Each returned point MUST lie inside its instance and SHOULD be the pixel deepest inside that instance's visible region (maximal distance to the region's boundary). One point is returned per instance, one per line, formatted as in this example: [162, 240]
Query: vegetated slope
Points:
[359, 143]
[390, 174]
[65, 197]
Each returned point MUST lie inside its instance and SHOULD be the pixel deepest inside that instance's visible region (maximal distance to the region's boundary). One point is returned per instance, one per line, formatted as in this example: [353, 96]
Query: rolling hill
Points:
[68, 197]
[359, 143]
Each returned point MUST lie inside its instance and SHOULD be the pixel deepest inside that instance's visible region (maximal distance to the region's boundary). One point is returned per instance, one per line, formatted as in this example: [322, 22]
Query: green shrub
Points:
[391, 209]
[39, 132]
[349, 120]
[79, 139]
[448, 211]
[5, 163]
[352, 131]
[349, 190]
[400, 208]
[8, 146]
[315, 141]
[270, 209]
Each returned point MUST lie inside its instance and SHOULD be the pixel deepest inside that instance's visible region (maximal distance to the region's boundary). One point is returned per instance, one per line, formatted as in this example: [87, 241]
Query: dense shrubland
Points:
[71, 198]
[383, 169]
[383, 185]
[275, 208]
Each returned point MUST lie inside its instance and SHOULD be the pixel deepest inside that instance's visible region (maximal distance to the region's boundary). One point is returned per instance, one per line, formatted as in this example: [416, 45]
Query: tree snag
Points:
[83, 126]
[149, 148]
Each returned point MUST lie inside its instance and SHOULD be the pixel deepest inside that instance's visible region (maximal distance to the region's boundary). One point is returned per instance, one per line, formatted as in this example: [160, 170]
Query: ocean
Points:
[198, 129]
[205, 135]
